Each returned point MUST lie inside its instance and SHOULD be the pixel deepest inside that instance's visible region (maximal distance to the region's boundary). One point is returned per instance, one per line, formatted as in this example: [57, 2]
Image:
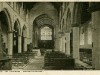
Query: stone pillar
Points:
[96, 40]
[19, 44]
[10, 43]
[95, 10]
[67, 51]
[60, 44]
[76, 43]
[1, 41]
[56, 44]
[86, 37]
[36, 40]
[63, 44]
[25, 44]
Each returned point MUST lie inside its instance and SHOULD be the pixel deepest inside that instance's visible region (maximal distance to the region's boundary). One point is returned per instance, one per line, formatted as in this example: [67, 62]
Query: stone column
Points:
[1, 51]
[10, 43]
[25, 44]
[76, 43]
[96, 40]
[63, 44]
[67, 51]
[95, 35]
[60, 44]
[86, 37]
[19, 44]
[36, 40]
[35, 44]
[56, 44]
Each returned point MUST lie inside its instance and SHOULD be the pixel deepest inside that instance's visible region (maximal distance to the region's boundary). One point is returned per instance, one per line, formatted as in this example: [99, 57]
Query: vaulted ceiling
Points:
[43, 20]
[30, 5]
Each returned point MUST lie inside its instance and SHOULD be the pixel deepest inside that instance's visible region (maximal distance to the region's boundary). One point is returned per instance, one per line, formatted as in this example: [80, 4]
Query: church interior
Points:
[49, 35]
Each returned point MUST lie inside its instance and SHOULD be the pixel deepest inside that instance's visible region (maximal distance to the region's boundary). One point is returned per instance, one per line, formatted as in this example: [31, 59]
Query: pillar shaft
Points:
[67, 44]
[19, 44]
[25, 44]
[35, 43]
[1, 52]
[96, 40]
[76, 43]
[86, 37]
[36, 40]
[10, 43]
[60, 44]
[56, 44]
[63, 44]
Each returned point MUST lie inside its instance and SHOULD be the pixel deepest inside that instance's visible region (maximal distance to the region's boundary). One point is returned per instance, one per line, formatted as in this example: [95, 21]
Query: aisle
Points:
[35, 63]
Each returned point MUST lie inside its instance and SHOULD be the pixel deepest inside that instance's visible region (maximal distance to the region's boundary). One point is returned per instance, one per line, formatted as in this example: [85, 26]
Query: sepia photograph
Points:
[49, 35]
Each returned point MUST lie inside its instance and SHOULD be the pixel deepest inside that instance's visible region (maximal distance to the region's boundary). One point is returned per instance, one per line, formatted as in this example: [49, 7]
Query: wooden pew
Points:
[86, 55]
[22, 59]
[57, 61]
[5, 64]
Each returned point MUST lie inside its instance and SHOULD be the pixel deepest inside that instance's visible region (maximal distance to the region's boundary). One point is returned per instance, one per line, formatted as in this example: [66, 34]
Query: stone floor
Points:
[35, 63]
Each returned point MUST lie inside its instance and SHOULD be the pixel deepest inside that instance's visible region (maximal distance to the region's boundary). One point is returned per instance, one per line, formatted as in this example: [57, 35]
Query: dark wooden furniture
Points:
[58, 61]
[86, 55]
[21, 59]
[5, 64]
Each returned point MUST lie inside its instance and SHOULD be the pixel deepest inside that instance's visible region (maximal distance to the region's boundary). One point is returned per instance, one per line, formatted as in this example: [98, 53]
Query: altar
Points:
[37, 51]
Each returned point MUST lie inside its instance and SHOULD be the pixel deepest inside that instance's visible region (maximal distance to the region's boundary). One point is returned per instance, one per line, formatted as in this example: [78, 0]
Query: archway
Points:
[68, 35]
[16, 34]
[24, 37]
[40, 23]
[5, 28]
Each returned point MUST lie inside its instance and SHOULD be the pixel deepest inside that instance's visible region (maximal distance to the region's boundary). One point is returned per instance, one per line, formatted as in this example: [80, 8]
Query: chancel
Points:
[49, 35]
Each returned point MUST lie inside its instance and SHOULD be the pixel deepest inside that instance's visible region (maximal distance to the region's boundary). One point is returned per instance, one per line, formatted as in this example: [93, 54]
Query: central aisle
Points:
[35, 63]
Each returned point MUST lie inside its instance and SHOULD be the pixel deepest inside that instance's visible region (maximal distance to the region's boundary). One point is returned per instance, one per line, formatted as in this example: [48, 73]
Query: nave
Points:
[48, 62]
[50, 35]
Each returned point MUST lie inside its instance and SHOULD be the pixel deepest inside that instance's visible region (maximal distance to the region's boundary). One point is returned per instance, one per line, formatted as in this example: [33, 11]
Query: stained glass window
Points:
[46, 33]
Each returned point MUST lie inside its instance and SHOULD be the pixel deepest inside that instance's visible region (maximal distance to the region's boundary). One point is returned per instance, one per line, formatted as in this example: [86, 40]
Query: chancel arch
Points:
[43, 27]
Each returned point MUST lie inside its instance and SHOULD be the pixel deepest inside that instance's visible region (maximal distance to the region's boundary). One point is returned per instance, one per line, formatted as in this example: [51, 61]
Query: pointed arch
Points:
[68, 21]
[43, 19]
[24, 31]
[5, 26]
[17, 26]
[77, 12]
[8, 18]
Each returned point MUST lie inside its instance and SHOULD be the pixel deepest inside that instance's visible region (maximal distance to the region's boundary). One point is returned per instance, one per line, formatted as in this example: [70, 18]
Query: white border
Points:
[57, 72]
